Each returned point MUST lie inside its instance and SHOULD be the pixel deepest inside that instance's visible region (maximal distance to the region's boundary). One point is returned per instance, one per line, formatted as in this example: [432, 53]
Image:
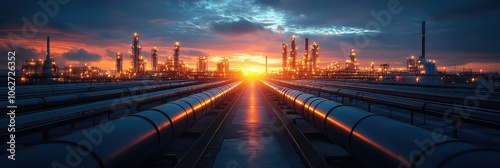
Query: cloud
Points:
[273, 3]
[280, 29]
[22, 53]
[241, 26]
[464, 29]
[194, 53]
[81, 55]
[468, 9]
[111, 54]
[158, 21]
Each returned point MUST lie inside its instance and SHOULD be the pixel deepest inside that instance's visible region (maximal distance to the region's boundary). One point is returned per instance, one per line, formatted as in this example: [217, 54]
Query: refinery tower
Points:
[137, 61]
[47, 67]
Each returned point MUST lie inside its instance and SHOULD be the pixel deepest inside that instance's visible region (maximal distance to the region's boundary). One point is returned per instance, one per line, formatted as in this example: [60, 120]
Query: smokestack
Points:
[47, 64]
[306, 56]
[48, 48]
[266, 65]
[423, 39]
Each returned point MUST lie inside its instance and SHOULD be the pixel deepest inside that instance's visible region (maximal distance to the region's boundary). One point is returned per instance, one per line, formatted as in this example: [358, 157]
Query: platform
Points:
[251, 140]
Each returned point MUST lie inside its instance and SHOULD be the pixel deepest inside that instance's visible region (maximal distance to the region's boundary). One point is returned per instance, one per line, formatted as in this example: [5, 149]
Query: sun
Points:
[252, 70]
[252, 73]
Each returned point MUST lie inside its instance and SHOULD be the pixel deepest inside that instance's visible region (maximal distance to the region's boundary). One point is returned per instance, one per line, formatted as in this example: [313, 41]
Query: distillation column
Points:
[176, 57]
[119, 64]
[293, 54]
[154, 58]
[307, 65]
[284, 58]
[47, 63]
[314, 57]
[135, 53]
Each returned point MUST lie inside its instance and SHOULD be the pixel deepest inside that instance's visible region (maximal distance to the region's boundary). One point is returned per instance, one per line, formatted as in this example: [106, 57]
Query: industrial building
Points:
[119, 65]
[352, 63]
[36, 67]
[137, 61]
[421, 69]
[202, 65]
[293, 54]
[86, 71]
[46, 68]
[293, 68]
[314, 61]
[154, 58]
[223, 67]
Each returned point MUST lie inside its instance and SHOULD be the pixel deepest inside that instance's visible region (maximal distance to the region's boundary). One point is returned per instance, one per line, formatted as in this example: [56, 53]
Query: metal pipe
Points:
[31, 104]
[378, 141]
[126, 142]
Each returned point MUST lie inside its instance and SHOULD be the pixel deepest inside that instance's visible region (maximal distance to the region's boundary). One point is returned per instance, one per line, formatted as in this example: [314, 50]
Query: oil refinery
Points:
[418, 69]
[304, 115]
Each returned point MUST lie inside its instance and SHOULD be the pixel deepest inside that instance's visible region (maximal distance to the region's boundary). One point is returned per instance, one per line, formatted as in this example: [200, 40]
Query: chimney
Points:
[423, 40]
[48, 48]
[306, 56]
[266, 65]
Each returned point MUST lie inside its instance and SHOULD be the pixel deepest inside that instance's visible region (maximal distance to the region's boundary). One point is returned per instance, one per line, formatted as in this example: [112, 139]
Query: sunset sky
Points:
[461, 33]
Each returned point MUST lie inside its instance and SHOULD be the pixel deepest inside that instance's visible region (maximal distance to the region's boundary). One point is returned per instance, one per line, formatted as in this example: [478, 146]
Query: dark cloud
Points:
[468, 9]
[194, 53]
[465, 29]
[22, 53]
[272, 3]
[238, 27]
[107, 35]
[81, 55]
[110, 54]
[280, 29]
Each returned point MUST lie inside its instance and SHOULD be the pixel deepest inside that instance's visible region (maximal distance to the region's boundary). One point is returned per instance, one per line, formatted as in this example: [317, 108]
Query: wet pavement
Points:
[254, 138]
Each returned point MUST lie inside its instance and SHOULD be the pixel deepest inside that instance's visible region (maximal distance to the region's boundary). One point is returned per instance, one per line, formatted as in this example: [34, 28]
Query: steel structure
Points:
[284, 58]
[306, 56]
[119, 64]
[154, 58]
[352, 63]
[47, 64]
[201, 65]
[314, 65]
[135, 53]
[293, 54]
[176, 49]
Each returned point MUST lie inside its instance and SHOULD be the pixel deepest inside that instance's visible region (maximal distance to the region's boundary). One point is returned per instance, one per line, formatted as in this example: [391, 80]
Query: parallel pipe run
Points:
[50, 101]
[378, 141]
[126, 142]
[480, 116]
[81, 110]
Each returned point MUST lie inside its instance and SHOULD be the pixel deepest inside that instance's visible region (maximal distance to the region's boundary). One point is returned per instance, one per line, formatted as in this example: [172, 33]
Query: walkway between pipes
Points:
[254, 137]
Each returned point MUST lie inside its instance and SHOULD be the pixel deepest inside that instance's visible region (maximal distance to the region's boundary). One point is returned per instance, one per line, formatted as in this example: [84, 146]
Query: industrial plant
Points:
[418, 69]
[305, 115]
[46, 71]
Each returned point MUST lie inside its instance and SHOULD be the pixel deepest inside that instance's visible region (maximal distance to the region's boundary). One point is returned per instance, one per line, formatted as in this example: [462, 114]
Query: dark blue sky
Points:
[460, 32]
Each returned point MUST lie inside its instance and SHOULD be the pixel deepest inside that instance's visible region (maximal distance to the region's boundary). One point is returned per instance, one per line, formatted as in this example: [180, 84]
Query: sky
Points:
[460, 33]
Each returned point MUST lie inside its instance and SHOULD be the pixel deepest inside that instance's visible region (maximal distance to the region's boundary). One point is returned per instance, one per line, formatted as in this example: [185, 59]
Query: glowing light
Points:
[252, 69]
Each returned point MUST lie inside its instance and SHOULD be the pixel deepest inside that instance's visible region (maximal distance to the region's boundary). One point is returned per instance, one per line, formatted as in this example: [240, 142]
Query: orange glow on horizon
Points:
[247, 51]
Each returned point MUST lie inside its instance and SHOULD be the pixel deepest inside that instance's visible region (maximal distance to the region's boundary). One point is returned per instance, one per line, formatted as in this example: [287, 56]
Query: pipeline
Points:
[429, 105]
[125, 142]
[377, 141]
[24, 123]
[51, 101]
